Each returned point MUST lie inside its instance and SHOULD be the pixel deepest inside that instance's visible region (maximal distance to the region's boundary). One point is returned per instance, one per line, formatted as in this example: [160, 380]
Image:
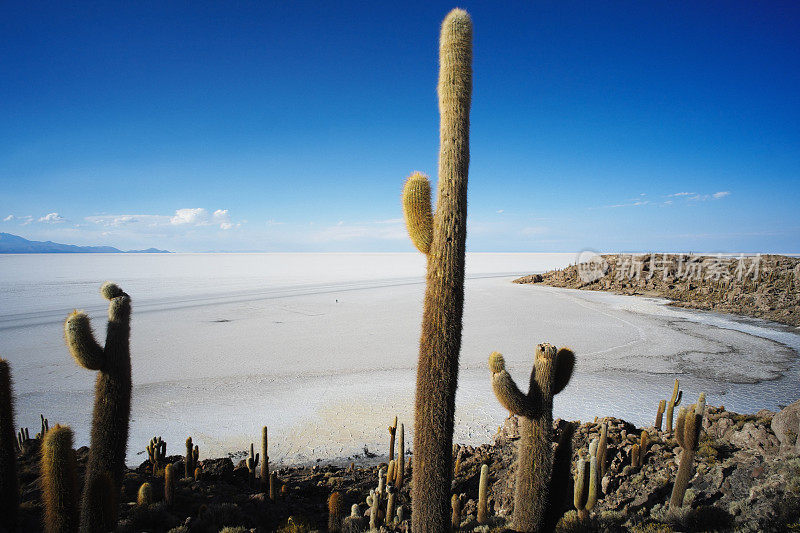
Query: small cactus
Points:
[390, 502]
[374, 502]
[643, 444]
[335, 511]
[392, 431]
[45, 427]
[273, 486]
[602, 449]
[456, 504]
[552, 370]
[252, 464]
[587, 483]
[636, 456]
[156, 453]
[687, 433]
[22, 439]
[59, 480]
[400, 465]
[112, 405]
[145, 496]
[662, 405]
[192, 455]
[169, 484]
[674, 401]
[9, 486]
[457, 466]
[483, 489]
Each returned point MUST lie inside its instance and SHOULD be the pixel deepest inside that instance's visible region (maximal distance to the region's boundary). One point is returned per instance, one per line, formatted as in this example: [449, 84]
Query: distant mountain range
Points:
[14, 244]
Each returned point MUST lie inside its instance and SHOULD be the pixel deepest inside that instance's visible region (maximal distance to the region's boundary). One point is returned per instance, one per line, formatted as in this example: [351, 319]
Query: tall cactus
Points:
[483, 489]
[264, 460]
[59, 481]
[674, 401]
[660, 414]
[9, 487]
[687, 432]
[112, 404]
[443, 239]
[552, 370]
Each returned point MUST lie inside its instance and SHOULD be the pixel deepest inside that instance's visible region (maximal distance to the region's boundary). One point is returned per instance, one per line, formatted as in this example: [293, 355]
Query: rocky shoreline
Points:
[747, 478]
[763, 286]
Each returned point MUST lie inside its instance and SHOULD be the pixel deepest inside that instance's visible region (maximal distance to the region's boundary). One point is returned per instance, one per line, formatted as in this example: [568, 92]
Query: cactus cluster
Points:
[45, 427]
[442, 238]
[156, 453]
[534, 504]
[112, 405]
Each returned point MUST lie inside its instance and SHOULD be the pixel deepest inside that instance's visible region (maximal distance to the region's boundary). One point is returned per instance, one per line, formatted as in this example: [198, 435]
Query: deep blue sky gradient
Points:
[302, 120]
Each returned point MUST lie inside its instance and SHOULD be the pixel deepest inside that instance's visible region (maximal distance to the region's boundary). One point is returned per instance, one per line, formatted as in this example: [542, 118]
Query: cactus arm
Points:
[507, 392]
[678, 398]
[81, 342]
[417, 211]
[565, 364]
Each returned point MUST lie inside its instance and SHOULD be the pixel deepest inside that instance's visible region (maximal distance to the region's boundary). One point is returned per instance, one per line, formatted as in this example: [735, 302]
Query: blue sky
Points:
[290, 126]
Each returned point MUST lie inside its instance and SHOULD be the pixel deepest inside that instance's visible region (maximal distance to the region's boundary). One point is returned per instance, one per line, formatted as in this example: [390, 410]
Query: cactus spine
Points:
[169, 484]
[112, 405]
[483, 489]
[190, 463]
[59, 481]
[552, 371]
[335, 511]
[687, 433]
[674, 401]
[660, 413]
[9, 487]
[264, 460]
[440, 341]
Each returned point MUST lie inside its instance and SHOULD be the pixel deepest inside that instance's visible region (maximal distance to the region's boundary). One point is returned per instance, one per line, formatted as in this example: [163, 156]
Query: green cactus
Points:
[440, 340]
[59, 481]
[264, 460]
[190, 462]
[145, 496]
[399, 468]
[483, 489]
[112, 404]
[602, 449]
[156, 453]
[587, 482]
[169, 484]
[660, 413]
[252, 464]
[552, 370]
[9, 486]
[674, 401]
[687, 432]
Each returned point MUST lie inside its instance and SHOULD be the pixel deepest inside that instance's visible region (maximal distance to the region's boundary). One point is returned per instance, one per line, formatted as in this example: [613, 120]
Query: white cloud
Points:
[9, 218]
[196, 216]
[52, 218]
[721, 194]
[681, 194]
[223, 218]
[129, 220]
[500, 211]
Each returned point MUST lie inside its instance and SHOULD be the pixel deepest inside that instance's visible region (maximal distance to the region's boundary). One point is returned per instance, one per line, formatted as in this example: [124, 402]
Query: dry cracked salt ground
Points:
[322, 347]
